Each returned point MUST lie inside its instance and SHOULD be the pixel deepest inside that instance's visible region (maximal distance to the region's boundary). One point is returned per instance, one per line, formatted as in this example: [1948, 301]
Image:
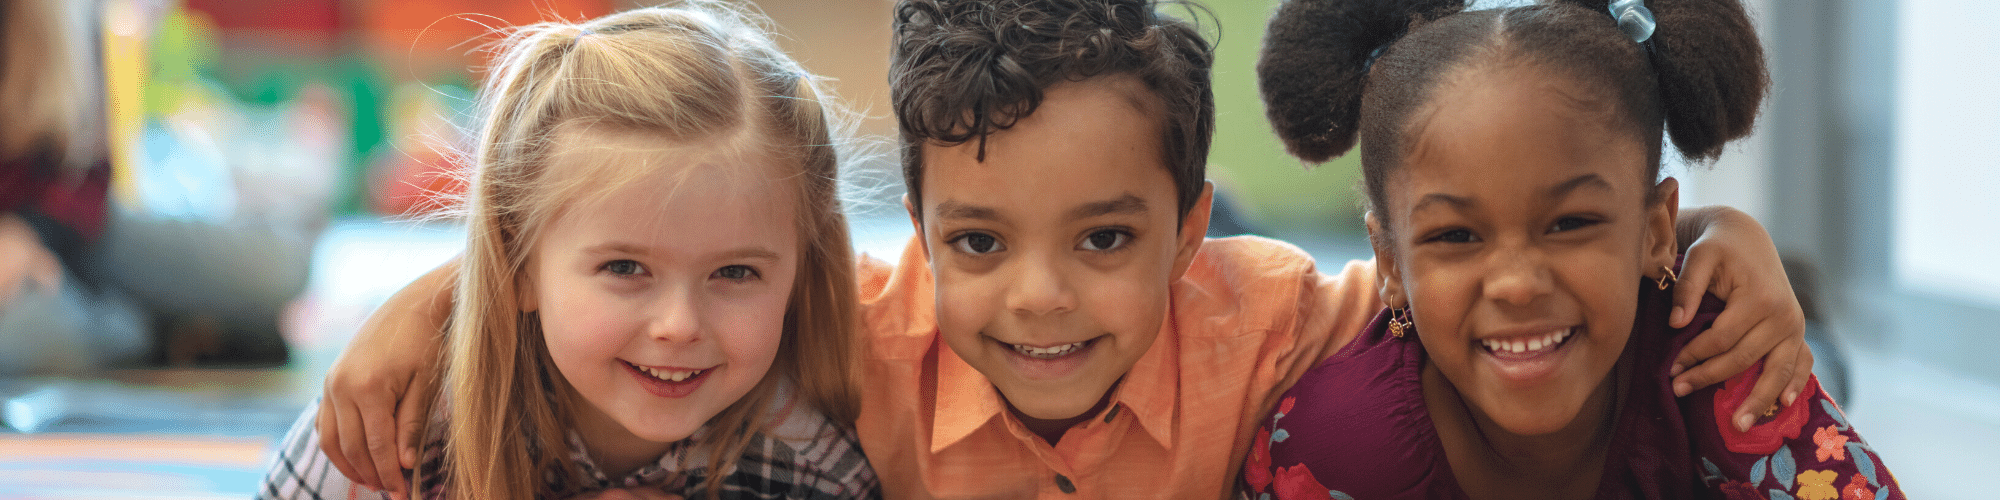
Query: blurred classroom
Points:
[269, 171]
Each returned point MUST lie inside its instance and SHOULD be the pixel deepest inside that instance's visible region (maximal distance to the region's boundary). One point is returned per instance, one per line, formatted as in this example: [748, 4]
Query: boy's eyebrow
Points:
[953, 209]
[1122, 205]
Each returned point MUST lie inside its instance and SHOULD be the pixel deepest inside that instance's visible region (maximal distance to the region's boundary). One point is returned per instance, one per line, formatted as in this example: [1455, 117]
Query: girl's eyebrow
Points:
[1589, 180]
[1554, 192]
[742, 253]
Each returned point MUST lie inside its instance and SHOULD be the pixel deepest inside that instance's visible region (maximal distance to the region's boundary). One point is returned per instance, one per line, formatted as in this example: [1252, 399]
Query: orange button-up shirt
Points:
[1248, 318]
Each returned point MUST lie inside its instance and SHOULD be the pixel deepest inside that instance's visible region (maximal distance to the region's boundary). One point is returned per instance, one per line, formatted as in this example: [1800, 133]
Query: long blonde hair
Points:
[700, 71]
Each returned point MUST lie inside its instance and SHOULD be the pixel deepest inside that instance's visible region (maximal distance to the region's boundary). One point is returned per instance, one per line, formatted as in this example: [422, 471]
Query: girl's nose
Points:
[1518, 277]
[677, 317]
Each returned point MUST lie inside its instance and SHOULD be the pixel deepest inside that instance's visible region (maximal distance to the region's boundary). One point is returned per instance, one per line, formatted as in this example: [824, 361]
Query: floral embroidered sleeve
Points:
[1804, 451]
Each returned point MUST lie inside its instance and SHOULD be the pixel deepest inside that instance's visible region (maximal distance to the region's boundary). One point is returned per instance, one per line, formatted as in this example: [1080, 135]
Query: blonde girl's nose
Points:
[676, 318]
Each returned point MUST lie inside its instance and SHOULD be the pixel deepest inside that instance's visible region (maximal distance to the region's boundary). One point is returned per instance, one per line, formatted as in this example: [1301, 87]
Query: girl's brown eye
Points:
[1570, 224]
[1455, 236]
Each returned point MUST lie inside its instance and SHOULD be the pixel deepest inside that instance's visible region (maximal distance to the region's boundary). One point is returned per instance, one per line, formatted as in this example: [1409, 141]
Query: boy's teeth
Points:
[670, 375]
[1548, 340]
[1048, 352]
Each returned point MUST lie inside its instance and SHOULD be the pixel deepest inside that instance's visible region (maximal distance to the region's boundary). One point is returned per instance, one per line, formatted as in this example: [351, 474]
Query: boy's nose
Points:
[1039, 287]
[676, 318]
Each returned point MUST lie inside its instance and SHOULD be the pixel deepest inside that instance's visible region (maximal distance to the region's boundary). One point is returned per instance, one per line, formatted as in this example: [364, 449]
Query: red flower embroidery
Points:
[1765, 437]
[1739, 490]
[1285, 406]
[1297, 483]
[1857, 489]
[1257, 470]
[1831, 444]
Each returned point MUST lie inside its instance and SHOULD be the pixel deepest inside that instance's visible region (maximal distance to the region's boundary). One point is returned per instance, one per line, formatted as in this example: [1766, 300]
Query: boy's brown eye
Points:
[1105, 240]
[976, 243]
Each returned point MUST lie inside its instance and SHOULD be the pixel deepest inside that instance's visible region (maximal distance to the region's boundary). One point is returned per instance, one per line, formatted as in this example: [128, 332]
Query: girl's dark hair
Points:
[1332, 70]
[963, 69]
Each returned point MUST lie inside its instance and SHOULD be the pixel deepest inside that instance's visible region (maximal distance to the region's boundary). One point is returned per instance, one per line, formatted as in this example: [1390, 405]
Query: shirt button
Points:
[1111, 414]
[1062, 483]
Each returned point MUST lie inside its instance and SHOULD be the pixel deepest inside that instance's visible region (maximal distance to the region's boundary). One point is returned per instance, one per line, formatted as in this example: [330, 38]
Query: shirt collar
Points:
[964, 400]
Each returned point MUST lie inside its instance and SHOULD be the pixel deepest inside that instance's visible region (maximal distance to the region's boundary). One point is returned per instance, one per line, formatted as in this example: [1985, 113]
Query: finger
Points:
[379, 422]
[1696, 271]
[1692, 368]
[1778, 370]
[353, 444]
[410, 415]
[328, 424]
[1804, 374]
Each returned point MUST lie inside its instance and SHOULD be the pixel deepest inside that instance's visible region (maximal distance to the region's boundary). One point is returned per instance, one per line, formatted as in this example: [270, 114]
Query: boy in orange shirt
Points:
[1059, 326]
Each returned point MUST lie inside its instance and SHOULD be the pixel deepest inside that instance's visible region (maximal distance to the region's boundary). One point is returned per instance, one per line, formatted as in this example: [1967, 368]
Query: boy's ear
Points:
[917, 221]
[1661, 216]
[1391, 276]
[1194, 228]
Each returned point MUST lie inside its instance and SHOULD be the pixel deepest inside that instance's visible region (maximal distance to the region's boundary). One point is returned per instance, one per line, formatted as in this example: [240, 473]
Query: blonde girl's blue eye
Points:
[737, 273]
[623, 267]
[976, 243]
[1105, 240]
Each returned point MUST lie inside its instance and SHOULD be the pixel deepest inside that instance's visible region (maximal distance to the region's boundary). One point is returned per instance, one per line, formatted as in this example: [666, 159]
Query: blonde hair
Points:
[700, 72]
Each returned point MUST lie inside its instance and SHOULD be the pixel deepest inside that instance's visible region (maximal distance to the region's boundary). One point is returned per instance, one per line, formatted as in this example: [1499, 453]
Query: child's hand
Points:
[629, 494]
[376, 391]
[1732, 257]
[24, 261]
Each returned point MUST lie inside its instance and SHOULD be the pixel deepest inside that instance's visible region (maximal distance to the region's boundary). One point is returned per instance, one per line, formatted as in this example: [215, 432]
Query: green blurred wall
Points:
[1280, 194]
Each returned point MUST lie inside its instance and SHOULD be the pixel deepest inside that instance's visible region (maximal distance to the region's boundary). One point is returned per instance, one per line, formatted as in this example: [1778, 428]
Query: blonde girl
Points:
[657, 289]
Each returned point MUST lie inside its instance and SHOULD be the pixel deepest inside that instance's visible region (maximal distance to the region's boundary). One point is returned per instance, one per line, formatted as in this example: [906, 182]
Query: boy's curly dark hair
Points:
[963, 69]
[1333, 71]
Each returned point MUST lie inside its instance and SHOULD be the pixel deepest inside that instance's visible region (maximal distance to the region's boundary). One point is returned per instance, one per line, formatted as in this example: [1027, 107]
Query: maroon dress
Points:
[1355, 426]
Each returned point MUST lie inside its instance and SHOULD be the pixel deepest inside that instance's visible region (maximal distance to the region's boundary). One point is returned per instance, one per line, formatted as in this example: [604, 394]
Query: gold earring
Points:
[1399, 321]
[1669, 279]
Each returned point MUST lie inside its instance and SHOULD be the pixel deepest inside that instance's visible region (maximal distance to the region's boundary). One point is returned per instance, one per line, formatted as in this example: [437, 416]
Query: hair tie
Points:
[1372, 55]
[1634, 19]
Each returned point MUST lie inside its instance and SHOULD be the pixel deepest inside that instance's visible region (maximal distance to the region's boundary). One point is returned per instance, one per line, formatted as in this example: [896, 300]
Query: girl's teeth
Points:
[1549, 340]
[671, 375]
[1048, 352]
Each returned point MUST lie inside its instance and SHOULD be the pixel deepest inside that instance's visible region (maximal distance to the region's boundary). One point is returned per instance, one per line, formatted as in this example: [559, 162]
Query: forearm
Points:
[1694, 222]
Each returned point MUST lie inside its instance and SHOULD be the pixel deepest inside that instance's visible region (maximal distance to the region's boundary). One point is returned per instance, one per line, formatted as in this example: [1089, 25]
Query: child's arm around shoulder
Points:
[368, 414]
[1727, 253]
[1806, 449]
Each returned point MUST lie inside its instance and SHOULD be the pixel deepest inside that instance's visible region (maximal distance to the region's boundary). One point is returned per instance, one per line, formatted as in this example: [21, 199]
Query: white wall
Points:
[1946, 213]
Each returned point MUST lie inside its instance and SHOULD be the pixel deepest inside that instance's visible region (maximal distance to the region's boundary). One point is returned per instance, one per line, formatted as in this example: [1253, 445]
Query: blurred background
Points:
[203, 199]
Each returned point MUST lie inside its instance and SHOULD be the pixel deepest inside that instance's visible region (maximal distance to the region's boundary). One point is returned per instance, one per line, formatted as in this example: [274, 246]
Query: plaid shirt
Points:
[803, 455]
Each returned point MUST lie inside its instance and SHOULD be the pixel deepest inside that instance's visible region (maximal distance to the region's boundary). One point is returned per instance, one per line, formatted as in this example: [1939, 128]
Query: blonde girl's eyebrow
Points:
[753, 253]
